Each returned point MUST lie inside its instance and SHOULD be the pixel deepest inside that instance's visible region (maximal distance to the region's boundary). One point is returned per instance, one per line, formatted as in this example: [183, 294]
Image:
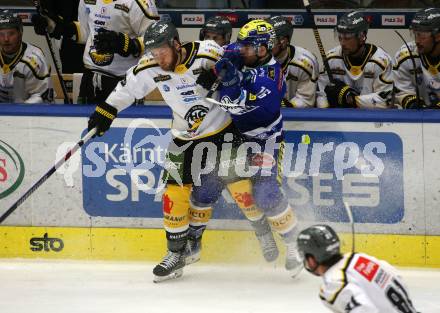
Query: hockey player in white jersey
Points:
[425, 52]
[300, 66]
[24, 72]
[362, 71]
[354, 282]
[112, 32]
[173, 68]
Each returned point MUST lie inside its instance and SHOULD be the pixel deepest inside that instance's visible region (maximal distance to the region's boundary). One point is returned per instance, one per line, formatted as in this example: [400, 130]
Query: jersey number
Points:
[398, 296]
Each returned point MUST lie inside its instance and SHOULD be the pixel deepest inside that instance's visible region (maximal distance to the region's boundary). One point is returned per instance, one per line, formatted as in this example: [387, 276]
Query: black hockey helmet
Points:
[7, 20]
[352, 23]
[160, 32]
[219, 25]
[320, 241]
[426, 20]
[283, 27]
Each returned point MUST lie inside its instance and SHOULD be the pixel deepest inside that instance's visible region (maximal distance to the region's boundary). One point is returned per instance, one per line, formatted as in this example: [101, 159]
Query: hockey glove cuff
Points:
[411, 102]
[102, 118]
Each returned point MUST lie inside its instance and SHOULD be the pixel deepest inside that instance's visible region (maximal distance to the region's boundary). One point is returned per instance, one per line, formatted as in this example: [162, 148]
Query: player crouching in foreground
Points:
[354, 282]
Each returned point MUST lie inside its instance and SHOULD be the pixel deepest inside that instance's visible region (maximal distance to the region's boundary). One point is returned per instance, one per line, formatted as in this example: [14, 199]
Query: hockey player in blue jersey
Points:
[252, 88]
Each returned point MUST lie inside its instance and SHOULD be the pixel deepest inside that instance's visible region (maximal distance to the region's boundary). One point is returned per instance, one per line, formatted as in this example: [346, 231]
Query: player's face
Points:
[166, 56]
[350, 43]
[10, 40]
[279, 47]
[251, 54]
[218, 38]
[425, 41]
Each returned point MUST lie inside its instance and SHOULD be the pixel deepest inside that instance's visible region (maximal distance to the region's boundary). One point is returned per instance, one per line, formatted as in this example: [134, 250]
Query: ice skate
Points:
[294, 262]
[171, 267]
[193, 250]
[268, 246]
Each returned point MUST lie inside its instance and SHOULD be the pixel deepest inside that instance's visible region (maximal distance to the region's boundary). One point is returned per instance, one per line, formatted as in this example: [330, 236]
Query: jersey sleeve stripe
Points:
[34, 72]
[305, 70]
[344, 280]
[401, 61]
[140, 68]
[151, 17]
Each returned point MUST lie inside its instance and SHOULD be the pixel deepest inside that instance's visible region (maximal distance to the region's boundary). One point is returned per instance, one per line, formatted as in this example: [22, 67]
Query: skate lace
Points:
[267, 242]
[292, 252]
[170, 260]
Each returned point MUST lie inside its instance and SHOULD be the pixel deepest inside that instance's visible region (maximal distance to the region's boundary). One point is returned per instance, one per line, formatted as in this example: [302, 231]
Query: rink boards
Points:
[106, 204]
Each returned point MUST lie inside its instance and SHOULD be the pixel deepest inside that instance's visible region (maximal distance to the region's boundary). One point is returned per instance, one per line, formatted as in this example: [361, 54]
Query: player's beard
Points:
[173, 63]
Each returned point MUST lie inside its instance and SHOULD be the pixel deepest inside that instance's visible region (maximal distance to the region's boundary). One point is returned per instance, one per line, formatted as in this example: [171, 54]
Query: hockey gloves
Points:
[232, 53]
[206, 79]
[341, 95]
[102, 118]
[227, 72]
[106, 41]
[53, 25]
[411, 102]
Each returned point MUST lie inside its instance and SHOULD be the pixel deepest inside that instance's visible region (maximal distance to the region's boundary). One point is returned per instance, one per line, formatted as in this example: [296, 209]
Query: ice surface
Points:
[108, 287]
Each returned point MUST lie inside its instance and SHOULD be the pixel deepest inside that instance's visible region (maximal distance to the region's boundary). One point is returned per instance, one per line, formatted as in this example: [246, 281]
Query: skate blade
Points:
[294, 273]
[176, 274]
[192, 259]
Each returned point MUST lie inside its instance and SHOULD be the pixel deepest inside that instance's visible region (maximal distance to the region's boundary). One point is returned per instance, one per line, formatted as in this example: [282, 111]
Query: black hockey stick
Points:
[350, 218]
[49, 173]
[54, 59]
[414, 67]
[318, 41]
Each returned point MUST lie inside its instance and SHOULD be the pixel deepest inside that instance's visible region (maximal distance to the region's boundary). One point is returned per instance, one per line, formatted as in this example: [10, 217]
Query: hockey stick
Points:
[213, 89]
[350, 218]
[414, 67]
[318, 41]
[49, 173]
[54, 59]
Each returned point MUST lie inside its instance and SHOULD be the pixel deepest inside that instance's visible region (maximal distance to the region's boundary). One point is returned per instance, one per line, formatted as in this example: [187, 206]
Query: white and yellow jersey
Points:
[360, 283]
[26, 78]
[372, 78]
[428, 76]
[301, 72]
[193, 116]
[130, 17]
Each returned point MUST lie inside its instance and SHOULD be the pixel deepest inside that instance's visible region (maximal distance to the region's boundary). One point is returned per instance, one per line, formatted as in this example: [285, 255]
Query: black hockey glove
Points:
[286, 103]
[107, 41]
[411, 102]
[206, 79]
[102, 118]
[435, 106]
[40, 24]
[341, 95]
[55, 26]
